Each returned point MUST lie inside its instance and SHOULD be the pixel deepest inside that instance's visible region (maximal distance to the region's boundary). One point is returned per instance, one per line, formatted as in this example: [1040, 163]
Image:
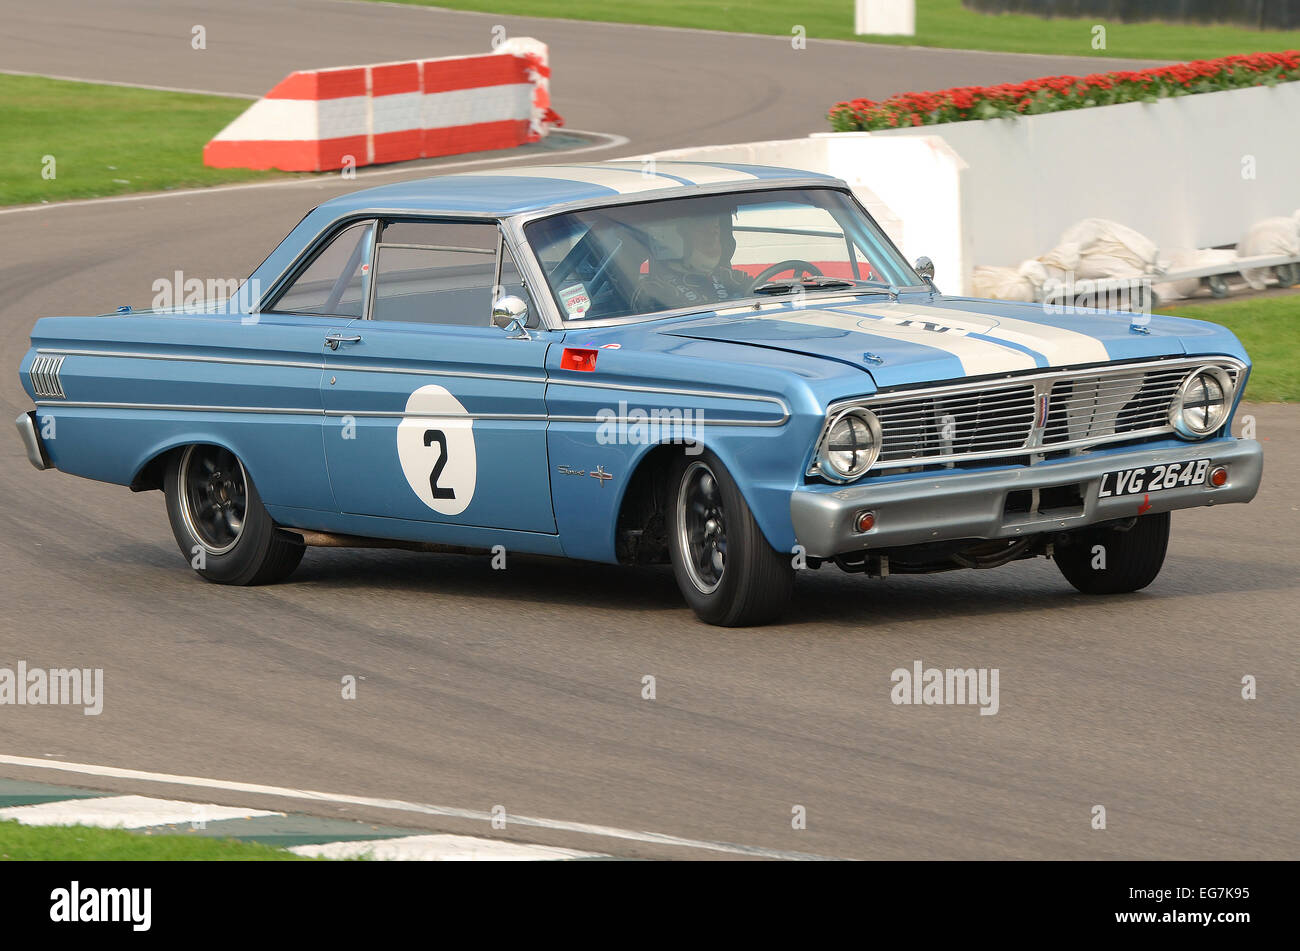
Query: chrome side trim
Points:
[187, 408]
[698, 421]
[395, 414]
[294, 364]
[673, 391]
[178, 358]
[552, 381]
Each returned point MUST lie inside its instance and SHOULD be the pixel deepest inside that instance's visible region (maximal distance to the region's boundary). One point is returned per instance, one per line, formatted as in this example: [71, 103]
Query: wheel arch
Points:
[646, 494]
[149, 473]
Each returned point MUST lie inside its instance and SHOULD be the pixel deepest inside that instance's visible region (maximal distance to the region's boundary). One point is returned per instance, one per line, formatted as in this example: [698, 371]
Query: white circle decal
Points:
[435, 443]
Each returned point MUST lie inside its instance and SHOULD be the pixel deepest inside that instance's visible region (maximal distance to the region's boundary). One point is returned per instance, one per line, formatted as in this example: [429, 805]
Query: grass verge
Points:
[940, 23]
[85, 843]
[101, 140]
[1269, 329]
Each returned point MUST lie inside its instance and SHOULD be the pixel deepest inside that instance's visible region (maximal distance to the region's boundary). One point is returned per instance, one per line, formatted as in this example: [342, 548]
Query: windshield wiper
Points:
[817, 282]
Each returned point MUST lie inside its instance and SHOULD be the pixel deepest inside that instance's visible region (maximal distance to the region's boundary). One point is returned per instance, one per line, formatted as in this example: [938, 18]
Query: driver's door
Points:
[432, 413]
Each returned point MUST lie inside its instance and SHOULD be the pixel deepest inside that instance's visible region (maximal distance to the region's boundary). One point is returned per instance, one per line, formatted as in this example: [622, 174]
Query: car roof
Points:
[511, 191]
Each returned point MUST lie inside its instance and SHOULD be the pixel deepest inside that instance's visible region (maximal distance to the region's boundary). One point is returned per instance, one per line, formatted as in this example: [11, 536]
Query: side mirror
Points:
[925, 267]
[510, 313]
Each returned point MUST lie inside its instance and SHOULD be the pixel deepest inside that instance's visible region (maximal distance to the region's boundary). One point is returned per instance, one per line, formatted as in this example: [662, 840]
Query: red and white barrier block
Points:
[326, 119]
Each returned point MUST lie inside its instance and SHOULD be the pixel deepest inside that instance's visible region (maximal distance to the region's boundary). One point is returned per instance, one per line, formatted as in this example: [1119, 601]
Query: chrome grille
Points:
[44, 373]
[963, 423]
[1030, 415]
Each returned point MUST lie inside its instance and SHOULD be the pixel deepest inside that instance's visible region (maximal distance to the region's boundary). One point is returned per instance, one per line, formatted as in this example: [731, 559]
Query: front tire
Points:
[220, 523]
[1108, 560]
[726, 570]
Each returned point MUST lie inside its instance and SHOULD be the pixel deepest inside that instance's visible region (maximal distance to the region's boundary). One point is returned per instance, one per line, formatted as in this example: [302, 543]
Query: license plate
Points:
[1153, 478]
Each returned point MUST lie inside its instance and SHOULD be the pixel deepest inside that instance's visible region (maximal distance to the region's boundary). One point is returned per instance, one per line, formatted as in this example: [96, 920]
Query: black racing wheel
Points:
[796, 265]
[220, 523]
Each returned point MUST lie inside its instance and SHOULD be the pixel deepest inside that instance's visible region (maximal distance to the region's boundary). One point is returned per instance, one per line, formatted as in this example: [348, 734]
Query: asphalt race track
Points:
[524, 687]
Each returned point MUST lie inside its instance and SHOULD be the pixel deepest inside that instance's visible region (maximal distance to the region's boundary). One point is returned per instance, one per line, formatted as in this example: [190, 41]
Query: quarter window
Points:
[334, 284]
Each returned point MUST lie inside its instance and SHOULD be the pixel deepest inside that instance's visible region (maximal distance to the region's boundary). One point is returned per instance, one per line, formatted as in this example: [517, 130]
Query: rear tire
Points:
[1127, 560]
[220, 523]
[726, 570]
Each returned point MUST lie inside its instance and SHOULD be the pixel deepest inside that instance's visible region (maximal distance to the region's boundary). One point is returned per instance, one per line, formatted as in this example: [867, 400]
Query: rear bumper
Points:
[956, 505]
[36, 453]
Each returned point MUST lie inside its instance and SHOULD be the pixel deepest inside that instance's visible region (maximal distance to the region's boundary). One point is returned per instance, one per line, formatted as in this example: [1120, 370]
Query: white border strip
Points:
[125, 812]
[110, 82]
[401, 805]
[440, 848]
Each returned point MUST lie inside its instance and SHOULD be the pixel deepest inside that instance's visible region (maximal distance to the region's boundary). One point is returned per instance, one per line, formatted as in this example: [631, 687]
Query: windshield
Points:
[636, 259]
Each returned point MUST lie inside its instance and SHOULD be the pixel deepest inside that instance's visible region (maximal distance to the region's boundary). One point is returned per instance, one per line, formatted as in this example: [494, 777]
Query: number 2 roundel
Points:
[435, 443]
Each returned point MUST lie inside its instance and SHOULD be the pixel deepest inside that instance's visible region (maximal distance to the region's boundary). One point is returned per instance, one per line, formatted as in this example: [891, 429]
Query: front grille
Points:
[962, 424]
[1086, 407]
[1030, 416]
[44, 372]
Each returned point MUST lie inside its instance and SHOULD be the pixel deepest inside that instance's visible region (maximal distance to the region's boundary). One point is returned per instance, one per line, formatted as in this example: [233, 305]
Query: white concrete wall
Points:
[1171, 169]
[1001, 191]
[911, 186]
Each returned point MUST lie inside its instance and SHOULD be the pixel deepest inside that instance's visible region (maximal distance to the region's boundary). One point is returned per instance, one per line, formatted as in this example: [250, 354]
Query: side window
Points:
[435, 272]
[334, 284]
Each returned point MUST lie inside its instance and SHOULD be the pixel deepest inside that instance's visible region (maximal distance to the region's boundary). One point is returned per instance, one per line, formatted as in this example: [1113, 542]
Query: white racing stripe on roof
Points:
[622, 180]
[977, 356]
[124, 812]
[695, 173]
[1061, 347]
[441, 848]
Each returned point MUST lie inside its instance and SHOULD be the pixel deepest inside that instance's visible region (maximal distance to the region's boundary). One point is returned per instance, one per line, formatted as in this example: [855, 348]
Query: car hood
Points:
[922, 339]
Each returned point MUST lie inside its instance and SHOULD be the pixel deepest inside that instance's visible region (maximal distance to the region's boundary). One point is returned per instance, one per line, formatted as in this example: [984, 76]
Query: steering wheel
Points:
[797, 265]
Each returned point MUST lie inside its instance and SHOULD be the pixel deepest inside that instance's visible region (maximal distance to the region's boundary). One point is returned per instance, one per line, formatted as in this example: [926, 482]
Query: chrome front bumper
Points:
[960, 504]
[36, 453]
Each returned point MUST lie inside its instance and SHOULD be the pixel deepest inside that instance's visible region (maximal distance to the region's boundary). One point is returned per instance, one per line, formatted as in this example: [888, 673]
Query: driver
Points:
[703, 272]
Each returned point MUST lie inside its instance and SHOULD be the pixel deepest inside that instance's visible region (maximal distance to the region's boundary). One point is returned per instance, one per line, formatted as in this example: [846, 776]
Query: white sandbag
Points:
[1270, 236]
[1001, 283]
[1107, 249]
[1181, 258]
[1062, 259]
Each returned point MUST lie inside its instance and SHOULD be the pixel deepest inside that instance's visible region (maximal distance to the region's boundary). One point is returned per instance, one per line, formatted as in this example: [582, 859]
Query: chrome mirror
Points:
[925, 267]
[510, 313]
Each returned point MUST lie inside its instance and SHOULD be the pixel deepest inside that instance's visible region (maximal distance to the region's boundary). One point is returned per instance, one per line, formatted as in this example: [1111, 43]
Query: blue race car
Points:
[727, 368]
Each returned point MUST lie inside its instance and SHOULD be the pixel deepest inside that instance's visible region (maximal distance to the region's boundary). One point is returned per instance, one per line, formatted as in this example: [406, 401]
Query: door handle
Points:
[333, 340]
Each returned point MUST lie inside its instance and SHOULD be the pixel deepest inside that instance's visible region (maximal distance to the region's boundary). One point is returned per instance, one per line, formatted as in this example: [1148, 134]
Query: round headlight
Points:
[851, 445]
[1201, 404]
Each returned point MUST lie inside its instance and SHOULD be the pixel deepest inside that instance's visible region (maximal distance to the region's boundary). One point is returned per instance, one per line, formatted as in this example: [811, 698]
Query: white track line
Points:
[400, 805]
[441, 848]
[125, 812]
[612, 141]
[110, 82]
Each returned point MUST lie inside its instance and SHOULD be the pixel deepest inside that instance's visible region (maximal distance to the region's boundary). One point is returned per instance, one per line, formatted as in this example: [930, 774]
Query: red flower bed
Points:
[1058, 93]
